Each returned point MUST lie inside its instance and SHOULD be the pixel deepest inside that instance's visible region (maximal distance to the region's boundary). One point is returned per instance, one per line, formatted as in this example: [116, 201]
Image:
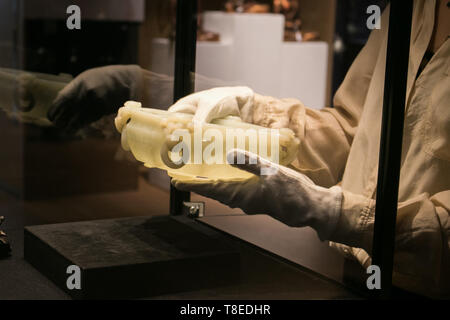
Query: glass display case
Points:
[67, 70]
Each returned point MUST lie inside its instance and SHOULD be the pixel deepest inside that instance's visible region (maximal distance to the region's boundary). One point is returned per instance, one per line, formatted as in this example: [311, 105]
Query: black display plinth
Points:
[132, 257]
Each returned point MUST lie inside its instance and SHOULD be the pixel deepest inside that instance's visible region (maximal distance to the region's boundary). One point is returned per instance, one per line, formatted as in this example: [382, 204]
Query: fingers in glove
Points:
[251, 162]
[60, 114]
[187, 104]
[222, 191]
[236, 194]
[190, 186]
[56, 109]
[183, 108]
[63, 107]
[203, 189]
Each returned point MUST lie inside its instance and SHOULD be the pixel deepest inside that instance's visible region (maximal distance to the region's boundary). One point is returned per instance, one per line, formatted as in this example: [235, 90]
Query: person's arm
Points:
[422, 245]
[327, 134]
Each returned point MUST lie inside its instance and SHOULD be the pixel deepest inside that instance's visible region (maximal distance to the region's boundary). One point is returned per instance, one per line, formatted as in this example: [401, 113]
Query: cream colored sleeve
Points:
[422, 244]
[327, 134]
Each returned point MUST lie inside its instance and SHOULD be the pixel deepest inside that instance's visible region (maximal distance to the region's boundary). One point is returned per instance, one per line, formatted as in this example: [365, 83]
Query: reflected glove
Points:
[95, 93]
[216, 103]
[283, 193]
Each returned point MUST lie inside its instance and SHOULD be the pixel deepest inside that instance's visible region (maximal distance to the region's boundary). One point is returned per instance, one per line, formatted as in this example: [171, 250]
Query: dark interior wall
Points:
[351, 33]
[9, 33]
[108, 35]
[211, 4]
[52, 48]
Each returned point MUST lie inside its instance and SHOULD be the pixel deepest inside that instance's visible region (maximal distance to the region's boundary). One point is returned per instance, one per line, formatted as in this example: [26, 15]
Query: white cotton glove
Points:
[286, 195]
[216, 103]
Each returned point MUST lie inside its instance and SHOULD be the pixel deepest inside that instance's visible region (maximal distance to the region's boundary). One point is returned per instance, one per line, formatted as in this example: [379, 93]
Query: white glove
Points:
[286, 195]
[216, 103]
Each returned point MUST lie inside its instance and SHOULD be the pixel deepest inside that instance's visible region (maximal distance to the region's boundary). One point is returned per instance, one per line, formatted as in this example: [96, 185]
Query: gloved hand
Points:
[286, 194]
[216, 103]
[95, 93]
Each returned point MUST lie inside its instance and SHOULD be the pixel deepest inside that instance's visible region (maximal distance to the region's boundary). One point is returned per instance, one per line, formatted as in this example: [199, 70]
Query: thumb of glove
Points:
[251, 162]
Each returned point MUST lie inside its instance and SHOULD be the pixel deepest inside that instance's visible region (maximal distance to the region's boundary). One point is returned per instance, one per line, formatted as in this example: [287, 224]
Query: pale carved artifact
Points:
[188, 151]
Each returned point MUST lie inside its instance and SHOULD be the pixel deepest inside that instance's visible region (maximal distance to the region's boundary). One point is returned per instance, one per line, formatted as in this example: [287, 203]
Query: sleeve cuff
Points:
[355, 223]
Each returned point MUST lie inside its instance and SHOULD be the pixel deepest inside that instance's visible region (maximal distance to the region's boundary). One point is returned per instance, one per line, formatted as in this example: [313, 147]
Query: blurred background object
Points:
[202, 34]
[290, 9]
[292, 22]
[247, 6]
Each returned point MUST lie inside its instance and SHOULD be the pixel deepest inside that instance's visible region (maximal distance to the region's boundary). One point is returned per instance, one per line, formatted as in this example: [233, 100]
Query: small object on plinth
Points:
[292, 22]
[246, 6]
[203, 35]
[256, 8]
[234, 6]
[310, 36]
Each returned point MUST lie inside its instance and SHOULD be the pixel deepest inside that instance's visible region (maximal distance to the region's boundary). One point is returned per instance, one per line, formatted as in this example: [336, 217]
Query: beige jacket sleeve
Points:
[325, 135]
[422, 230]
[422, 258]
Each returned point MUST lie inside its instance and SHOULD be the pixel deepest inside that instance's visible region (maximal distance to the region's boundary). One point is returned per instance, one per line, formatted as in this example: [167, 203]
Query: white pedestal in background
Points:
[252, 52]
[304, 72]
